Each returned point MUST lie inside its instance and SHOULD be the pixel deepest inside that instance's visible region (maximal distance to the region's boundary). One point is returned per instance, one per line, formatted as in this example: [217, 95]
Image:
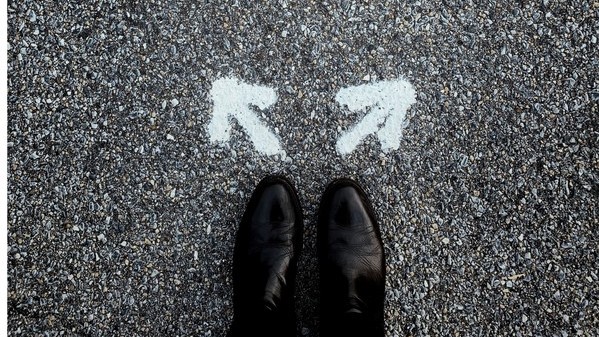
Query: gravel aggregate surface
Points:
[122, 213]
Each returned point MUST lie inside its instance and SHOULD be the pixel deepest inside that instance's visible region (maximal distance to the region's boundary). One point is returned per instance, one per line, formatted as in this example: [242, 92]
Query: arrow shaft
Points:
[369, 124]
[264, 140]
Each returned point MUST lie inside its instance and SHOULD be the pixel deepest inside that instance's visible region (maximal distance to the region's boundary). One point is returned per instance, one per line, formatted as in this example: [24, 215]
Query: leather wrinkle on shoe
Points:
[266, 252]
[351, 263]
[269, 258]
[271, 247]
[279, 235]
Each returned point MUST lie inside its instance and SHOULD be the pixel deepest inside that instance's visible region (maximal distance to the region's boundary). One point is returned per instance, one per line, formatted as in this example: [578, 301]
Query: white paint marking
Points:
[232, 99]
[388, 102]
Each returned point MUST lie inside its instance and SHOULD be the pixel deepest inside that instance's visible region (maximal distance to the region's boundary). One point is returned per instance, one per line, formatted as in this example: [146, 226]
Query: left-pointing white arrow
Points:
[388, 102]
[233, 99]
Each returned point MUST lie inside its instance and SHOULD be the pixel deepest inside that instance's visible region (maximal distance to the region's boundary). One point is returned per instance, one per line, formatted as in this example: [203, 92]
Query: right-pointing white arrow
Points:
[232, 99]
[388, 101]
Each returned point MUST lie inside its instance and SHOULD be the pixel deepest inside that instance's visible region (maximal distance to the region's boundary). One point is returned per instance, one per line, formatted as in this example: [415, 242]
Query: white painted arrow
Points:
[388, 102]
[233, 99]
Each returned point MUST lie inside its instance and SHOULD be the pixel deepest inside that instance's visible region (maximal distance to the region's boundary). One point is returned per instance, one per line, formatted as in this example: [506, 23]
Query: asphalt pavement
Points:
[122, 209]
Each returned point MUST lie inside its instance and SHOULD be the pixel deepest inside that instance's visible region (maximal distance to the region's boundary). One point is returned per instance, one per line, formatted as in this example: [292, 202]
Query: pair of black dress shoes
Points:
[351, 257]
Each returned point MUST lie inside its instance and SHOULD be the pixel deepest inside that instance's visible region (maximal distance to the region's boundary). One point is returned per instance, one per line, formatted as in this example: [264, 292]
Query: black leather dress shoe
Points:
[352, 263]
[265, 261]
